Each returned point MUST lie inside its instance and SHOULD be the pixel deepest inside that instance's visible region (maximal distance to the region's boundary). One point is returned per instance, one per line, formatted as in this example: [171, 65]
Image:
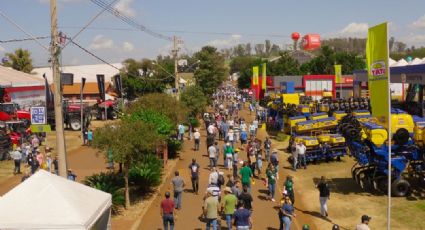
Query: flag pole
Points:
[389, 139]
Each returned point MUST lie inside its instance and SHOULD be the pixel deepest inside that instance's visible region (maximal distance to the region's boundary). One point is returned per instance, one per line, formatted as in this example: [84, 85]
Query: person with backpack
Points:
[324, 195]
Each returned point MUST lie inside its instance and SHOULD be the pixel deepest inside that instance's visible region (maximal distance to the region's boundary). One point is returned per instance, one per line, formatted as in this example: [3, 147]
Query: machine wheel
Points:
[75, 123]
[401, 136]
[400, 188]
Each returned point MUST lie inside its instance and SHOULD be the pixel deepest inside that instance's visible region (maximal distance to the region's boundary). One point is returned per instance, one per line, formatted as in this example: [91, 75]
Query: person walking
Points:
[289, 188]
[246, 198]
[365, 223]
[181, 130]
[243, 220]
[274, 159]
[267, 146]
[213, 177]
[324, 195]
[210, 211]
[212, 154]
[197, 139]
[227, 149]
[295, 151]
[228, 206]
[246, 175]
[178, 185]
[301, 155]
[167, 212]
[288, 214]
[271, 181]
[194, 175]
[90, 137]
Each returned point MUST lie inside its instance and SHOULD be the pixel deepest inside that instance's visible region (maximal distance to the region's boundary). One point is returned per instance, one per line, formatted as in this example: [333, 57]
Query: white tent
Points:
[47, 201]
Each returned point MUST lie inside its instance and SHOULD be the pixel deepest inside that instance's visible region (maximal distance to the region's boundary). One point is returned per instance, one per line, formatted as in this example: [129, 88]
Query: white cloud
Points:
[101, 42]
[123, 6]
[414, 39]
[354, 30]
[420, 23]
[224, 43]
[127, 46]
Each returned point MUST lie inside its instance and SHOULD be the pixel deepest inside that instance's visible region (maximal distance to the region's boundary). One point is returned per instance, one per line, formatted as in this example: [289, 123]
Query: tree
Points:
[243, 66]
[285, 65]
[20, 60]
[194, 99]
[211, 70]
[259, 50]
[129, 141]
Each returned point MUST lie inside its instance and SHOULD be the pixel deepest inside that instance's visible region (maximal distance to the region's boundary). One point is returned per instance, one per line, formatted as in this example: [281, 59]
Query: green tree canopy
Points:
[163, 126]
[285, 65]
[20, 60]
[211, 71]
[194, 99]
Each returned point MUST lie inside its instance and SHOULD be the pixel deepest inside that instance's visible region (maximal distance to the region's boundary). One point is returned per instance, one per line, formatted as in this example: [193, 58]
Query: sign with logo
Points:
[378, 70]
[38, 115]
[40, 128]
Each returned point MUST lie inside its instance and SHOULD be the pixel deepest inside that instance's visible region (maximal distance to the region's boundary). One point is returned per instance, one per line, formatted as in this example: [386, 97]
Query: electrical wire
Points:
[22, 30]
[129, 21]
[24, 39]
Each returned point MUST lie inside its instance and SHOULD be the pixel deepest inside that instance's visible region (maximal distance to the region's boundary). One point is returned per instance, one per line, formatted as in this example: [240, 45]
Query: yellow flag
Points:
[255, 75]
[264, 80]
[338, 74]
[378, 70]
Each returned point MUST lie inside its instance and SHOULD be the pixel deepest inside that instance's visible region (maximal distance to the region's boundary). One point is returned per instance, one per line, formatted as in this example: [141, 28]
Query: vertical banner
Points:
[117, 84]
[255, 75]
[264, 77]
[101, 85]
[378, 71]
[338, 74]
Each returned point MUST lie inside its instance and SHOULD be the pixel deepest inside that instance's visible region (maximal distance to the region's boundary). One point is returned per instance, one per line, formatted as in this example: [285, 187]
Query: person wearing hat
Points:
[16, 155]
[228, 206]
[210, 210]
[167, 211]
[365, 223]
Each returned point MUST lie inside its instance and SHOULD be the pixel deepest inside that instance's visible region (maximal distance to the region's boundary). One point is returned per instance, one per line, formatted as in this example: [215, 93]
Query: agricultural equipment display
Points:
[71, 116]
[5, 142]
[98, 110]
[367, 142]
[12, 112]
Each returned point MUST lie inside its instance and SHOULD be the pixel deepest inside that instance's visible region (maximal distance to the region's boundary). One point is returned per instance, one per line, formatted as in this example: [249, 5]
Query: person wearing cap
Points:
[306, 227]
[197, 139]
[335, 227]
[16, 155]
[365, 223]
[167, 212]
[228, 206]
[210, 209]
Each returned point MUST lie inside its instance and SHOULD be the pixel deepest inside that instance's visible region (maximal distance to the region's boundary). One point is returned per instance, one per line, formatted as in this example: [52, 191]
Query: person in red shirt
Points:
[167, 211]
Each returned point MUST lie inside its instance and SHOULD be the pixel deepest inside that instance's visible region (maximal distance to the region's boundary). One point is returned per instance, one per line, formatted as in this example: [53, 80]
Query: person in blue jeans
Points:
[167, 212]
[287, 211]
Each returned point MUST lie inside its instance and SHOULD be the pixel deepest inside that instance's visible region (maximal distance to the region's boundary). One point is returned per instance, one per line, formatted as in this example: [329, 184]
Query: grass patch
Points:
[421, 206]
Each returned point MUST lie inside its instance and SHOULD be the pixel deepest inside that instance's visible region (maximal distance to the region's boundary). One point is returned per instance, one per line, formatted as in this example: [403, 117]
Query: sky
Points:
[222, 23]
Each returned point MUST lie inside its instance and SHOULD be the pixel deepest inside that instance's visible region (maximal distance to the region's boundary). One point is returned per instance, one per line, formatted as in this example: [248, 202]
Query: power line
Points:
[24, 39]
[128, 20]
[21, 29]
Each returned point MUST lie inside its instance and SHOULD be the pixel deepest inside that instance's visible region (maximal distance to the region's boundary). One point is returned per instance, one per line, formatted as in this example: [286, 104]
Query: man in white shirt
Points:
[213, 178]
[301, 154]
[365, 223]
[212, 154]
[255, 123]
[243, 126]
[197, 137]
[211, 129]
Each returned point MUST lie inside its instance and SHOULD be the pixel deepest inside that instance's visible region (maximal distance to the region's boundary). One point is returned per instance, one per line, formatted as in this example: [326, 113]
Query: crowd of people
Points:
[231, 199]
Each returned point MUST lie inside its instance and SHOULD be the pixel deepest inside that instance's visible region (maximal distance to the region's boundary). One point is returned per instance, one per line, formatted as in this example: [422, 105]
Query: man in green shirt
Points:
[246, 175]
[228, 206]
[211, 208]
[271, 179]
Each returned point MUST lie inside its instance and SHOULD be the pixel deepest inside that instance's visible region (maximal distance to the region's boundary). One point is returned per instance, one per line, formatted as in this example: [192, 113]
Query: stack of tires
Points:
[5, 142]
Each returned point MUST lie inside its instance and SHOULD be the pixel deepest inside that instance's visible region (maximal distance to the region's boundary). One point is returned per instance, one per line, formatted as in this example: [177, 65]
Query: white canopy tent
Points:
[47, 201]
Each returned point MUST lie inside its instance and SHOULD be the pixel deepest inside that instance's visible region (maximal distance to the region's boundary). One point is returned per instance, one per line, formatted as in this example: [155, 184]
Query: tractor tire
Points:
[400, 188]
[401, 136]
[75, 123]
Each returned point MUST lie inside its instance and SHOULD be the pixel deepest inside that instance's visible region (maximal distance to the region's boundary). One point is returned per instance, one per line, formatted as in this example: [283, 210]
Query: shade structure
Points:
[47, 201]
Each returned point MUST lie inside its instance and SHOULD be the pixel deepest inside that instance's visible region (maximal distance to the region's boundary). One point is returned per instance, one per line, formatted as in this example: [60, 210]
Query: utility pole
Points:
[54, 49]
[176, 74]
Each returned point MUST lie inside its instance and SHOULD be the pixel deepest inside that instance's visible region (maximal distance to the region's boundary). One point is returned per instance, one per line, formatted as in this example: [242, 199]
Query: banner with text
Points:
[338, 74]
[255, 75]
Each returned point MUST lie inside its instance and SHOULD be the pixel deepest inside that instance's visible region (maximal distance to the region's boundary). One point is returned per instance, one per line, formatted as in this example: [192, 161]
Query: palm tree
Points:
[20, 60]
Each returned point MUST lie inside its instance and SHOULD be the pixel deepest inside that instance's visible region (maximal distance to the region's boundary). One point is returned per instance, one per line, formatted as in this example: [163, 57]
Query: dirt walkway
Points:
[264, 215]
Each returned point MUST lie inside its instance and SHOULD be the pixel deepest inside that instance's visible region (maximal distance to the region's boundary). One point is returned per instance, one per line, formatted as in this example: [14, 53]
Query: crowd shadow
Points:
[314, 214]
[346, 186]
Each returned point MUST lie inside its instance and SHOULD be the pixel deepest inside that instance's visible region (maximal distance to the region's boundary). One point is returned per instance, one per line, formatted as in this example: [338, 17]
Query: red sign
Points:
[348, 80]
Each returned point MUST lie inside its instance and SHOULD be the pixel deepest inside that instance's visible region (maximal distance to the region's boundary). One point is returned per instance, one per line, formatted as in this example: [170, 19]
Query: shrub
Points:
[194, 122]
[111, 183]
[147, 173]
[174, 146]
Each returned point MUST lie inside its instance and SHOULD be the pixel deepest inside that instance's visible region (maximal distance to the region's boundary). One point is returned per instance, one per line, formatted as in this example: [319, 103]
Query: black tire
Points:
[75, 123]
[400, 188]
[401, 136]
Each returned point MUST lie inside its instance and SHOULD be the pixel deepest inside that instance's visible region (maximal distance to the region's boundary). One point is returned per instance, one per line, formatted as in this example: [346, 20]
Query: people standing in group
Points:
[324, 195]
[178, 185]
[243, 219]
[228, 206]
[197, 139]
[211, 208]
[271, 174]
[167, 212]
[194, 175]
[288, 214]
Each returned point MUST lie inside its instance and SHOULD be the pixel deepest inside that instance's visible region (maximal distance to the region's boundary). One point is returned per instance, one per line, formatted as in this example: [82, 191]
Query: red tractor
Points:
[12, 112]
[17, 131]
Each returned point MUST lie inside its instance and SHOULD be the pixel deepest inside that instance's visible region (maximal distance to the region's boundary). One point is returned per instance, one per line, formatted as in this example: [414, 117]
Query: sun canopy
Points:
[47, 201]
[13, 78]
